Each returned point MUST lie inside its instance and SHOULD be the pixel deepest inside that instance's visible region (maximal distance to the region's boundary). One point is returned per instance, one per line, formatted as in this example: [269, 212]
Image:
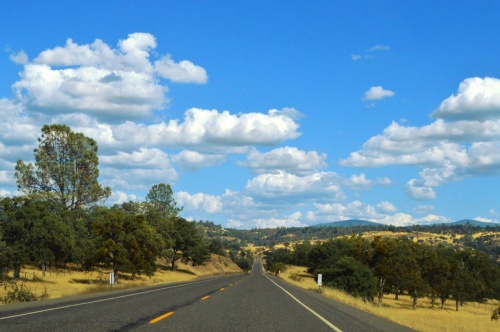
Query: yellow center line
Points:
[157, 319]
[222, 288]
[205, 297]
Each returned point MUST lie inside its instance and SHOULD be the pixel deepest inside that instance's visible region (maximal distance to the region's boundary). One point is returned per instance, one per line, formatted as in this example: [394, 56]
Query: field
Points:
[68, 282]
[470, 317]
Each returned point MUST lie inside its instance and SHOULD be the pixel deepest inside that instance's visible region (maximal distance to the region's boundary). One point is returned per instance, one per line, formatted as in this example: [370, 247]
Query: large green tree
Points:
[65, 170]
[187, 244]
[125, 242]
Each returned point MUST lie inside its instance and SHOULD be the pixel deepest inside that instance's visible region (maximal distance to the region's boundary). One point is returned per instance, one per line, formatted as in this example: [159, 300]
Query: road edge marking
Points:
[324, 320]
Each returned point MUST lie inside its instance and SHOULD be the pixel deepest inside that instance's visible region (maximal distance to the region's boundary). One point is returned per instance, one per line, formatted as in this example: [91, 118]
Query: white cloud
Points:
[97, 79]
[211, 130]
[358, 182]
[476, 99]
[317, 186]
[378, 47]
[21, 58]
[193, 160]
[182, 72]
[143, 158]
[356, 57]
[423, 209]
[288, 159]
[376, 93]
[493, 213]
[418, 191]
[386, 207]
[292, 220]
[445, 150]
[119, 197]
[206, 203]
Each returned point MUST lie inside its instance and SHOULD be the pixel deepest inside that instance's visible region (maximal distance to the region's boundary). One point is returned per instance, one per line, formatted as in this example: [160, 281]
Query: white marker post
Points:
[320, 282]
[111, 279]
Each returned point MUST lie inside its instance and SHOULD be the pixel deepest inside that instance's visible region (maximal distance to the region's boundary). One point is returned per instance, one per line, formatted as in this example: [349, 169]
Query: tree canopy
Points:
[65, 170]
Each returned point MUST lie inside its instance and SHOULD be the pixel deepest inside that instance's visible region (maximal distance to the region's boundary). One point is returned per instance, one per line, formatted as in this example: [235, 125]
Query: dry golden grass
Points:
[61, 283]
[472, 317]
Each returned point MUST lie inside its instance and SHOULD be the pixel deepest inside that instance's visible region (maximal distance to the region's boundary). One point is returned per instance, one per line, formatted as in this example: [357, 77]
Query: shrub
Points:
[350, 276]
[21, 293]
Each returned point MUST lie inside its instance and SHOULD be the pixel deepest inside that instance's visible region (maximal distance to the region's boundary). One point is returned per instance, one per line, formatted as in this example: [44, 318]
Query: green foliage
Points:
[187, 244]
[19, 292]
[125, 242]
[350, 276]
[65, 170]
[160, 199]
[277, 267]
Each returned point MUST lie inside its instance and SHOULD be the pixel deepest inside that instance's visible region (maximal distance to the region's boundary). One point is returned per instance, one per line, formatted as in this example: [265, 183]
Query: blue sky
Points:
[266, 113]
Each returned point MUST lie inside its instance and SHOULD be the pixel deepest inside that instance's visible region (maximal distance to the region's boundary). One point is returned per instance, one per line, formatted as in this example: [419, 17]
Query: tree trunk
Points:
[381, 284]
[414, 300]
[456, 305]
[442, 303]
[17, 271]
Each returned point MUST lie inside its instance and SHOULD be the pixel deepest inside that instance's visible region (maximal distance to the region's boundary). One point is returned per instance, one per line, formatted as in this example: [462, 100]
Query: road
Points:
[243, 302]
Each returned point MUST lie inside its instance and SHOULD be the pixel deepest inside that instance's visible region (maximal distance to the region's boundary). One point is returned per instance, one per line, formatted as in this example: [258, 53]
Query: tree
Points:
[65, 170]
[350, 276]
[35, 233]
[186, 242]
[160, 199]
[125, 242]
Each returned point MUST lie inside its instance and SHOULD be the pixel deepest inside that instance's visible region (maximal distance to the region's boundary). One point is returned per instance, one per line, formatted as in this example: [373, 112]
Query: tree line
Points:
[371, 269]
[60, 218]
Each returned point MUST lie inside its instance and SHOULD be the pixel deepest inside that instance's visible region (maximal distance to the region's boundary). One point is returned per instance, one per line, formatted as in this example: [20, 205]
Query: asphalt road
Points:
[244, 302]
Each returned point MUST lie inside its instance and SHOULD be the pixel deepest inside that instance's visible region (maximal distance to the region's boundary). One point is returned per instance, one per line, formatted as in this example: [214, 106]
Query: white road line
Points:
[102, 300]
[333, 327]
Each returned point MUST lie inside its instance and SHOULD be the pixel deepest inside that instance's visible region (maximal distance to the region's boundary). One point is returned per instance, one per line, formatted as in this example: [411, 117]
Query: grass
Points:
[69, 282]
[470, 317]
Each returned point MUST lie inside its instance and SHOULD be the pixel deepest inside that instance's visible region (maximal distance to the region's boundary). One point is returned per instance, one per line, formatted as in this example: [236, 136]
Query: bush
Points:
[350, 276]
[21, 293]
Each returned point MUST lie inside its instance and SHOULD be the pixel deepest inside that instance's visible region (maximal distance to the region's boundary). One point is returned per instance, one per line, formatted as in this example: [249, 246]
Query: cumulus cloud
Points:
[418, 191]
[386, 207]
[292, 220]
[360, 181]
[100, 80]
[21, 58]
[182, 72]
[476, 99]
[288, 159]
[143, 158]
[207, 203]
[282, 185]
[119, 197]
[192, 160]
[462, 141]
[384, 213]
[376, 93]
[210, 130]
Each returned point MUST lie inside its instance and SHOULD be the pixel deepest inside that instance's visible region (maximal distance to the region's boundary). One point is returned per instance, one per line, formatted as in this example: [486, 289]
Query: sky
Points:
[266, 113]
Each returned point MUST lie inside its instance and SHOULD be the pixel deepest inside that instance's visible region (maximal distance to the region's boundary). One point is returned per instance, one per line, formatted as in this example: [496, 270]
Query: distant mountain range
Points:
[348, 223]
[473, 222]
[358, 222]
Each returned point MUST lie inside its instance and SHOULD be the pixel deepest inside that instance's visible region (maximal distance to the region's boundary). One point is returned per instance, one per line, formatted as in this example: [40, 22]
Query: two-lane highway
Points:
[253, 302]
